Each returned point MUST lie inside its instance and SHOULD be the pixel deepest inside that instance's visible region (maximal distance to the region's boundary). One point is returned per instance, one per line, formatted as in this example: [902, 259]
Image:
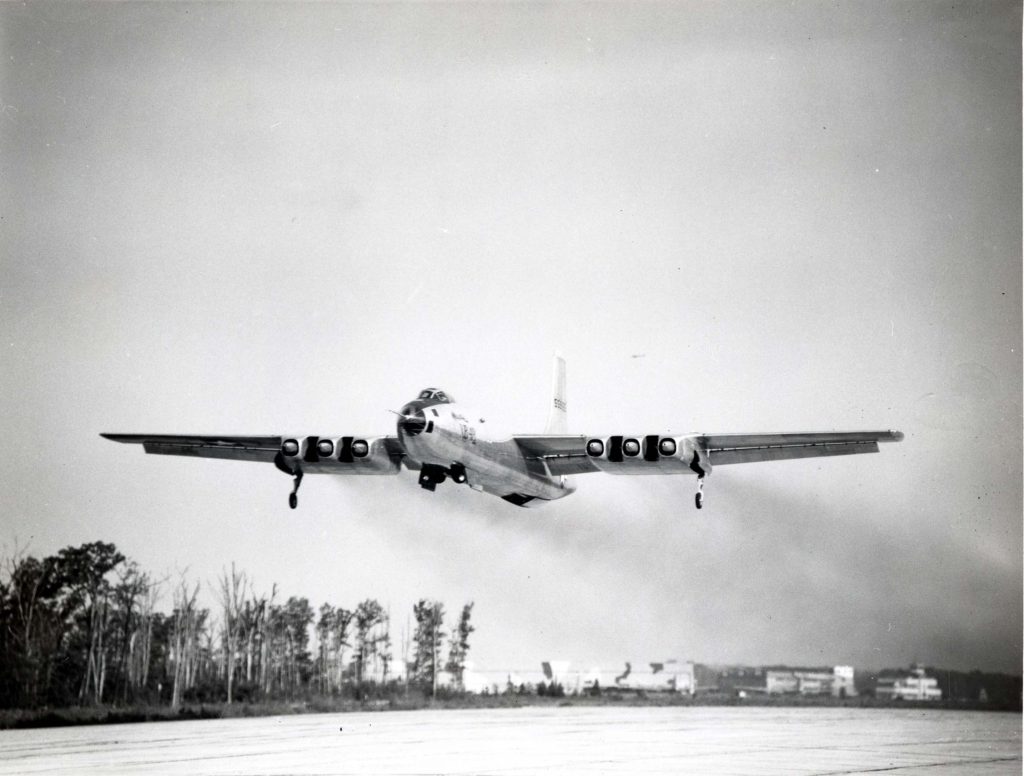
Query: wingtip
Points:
[897, 436]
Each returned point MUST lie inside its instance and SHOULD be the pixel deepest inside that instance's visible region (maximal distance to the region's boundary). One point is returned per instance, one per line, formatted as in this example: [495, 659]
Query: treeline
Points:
[82, 628]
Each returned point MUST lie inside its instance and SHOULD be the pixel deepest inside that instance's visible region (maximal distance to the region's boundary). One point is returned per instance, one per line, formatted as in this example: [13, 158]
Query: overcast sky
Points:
[261, 218]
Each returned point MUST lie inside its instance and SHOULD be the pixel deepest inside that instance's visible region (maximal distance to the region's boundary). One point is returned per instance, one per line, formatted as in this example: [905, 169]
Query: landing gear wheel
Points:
[698, 498]
[293, 497]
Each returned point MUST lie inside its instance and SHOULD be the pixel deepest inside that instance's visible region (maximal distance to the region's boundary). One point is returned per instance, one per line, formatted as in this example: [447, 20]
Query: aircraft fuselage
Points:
[446, 439]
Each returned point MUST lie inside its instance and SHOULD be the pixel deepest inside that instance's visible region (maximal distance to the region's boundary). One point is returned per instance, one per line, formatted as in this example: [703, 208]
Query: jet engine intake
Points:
[646, 454]
[338, 455]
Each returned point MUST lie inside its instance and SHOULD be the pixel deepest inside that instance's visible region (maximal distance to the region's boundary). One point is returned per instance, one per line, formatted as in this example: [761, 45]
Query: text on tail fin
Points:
[558, 419]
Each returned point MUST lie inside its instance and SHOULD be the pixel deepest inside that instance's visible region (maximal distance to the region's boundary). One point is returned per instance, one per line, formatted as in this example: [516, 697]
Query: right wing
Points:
[556, 454]
[751, 448]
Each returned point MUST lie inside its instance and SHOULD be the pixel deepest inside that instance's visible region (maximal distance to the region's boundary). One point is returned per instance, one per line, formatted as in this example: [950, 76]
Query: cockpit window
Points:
[434, 395]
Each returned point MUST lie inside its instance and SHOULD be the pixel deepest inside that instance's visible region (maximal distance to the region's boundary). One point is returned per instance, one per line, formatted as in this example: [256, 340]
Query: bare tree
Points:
[141, 648]
[130, 595]
[369, 614]
[83, 571]
[253, 615]
[382, 643]
[232, 596]
[185, 638]
[27, 579]
[429, 632]
[265, 636]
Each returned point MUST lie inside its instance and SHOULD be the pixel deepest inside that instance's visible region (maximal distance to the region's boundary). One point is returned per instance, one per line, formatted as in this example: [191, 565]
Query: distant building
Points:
[557, 672]
[731, 679]
[496, 682]
[837, 682]
[843, 682]
[914, 686]
[667, 676]
[781, 683]
[477, 682]
[664, 676]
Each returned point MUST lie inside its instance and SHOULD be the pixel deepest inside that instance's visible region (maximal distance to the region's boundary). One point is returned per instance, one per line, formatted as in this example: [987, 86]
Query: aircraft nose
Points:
[412, 421]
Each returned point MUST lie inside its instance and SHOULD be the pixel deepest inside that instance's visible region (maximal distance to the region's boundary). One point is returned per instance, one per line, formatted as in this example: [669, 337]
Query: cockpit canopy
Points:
[434, 396]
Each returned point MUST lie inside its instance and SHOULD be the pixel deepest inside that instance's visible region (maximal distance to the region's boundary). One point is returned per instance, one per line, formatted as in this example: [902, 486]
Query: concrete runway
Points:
[698, 740]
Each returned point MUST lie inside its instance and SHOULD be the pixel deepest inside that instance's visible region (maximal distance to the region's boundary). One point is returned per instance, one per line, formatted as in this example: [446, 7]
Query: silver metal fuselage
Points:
[452, 435]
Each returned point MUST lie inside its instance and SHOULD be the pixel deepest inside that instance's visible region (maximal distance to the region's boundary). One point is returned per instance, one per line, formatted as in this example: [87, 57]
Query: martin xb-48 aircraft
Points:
[438, 439]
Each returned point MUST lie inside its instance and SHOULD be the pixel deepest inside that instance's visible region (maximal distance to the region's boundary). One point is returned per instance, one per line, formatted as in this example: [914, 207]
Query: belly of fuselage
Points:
[496, 467]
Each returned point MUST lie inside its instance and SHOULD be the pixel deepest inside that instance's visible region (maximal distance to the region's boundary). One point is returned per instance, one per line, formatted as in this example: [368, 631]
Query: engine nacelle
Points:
[647, 454]
[339, 455]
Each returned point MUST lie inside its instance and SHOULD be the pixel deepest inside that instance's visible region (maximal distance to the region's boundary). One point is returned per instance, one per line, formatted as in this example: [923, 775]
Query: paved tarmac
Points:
[697, 740]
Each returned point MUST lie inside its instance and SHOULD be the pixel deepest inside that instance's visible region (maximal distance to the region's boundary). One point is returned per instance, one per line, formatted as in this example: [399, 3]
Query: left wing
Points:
[335, 455]
[239, 448]
[295, 455]
[652, 454]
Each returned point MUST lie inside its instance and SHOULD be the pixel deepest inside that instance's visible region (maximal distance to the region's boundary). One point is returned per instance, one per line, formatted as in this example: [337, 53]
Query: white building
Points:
[838, 683]
[915, 687]
[665, 676]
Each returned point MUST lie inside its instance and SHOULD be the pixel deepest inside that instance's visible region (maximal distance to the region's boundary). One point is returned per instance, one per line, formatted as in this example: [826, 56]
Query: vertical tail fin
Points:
[558, 420]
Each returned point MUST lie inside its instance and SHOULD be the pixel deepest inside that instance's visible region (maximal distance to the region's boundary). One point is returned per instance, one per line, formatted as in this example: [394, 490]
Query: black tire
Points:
[699, 500]
[293, 500]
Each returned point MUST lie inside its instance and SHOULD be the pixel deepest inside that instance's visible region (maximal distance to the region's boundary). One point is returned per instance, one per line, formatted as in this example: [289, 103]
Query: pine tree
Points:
[458, 645]
[427, 640]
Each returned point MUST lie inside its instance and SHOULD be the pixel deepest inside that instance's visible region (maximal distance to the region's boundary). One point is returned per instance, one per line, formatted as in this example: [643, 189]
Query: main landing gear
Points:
[295, 474]
[432, 475]
[293, 497]
[702, 474]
